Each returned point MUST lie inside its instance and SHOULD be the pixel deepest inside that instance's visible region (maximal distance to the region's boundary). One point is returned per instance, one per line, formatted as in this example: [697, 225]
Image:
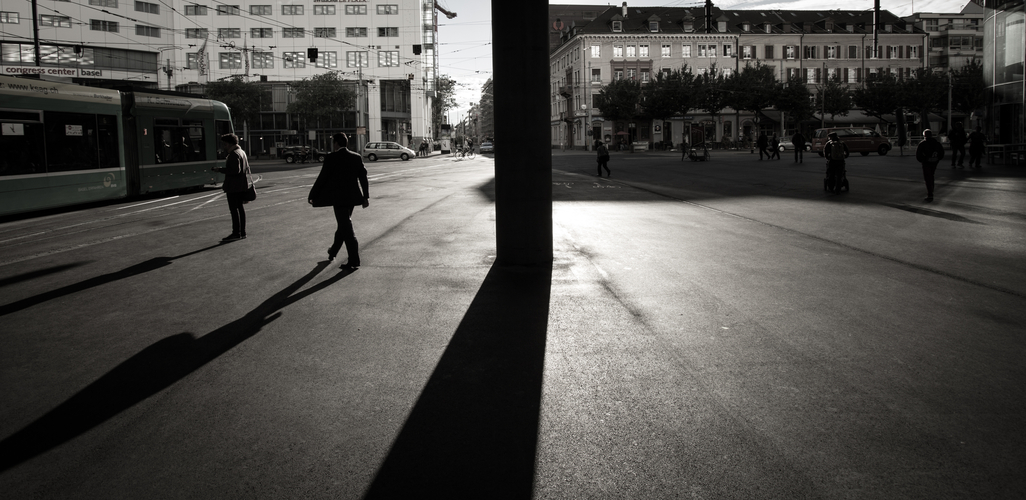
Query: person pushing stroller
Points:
[835, 151]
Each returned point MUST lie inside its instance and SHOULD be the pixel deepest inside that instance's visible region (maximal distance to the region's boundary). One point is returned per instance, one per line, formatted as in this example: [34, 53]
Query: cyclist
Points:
[835, 151]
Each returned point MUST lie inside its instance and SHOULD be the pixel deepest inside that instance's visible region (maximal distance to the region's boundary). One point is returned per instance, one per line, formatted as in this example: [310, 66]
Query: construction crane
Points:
[448, 14]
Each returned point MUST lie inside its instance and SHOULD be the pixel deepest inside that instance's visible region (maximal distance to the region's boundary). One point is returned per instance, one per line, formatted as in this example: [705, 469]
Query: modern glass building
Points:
[1004, 55]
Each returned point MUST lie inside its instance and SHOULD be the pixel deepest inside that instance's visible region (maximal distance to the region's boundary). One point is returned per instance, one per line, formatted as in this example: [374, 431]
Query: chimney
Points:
[625, 10]
[708, 16]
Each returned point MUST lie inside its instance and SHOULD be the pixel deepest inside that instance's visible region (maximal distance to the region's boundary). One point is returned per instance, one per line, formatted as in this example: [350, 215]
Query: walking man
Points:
[977, 143]
[957, 137]
[929, 153]
[342, 184]
[763, 144]
[799, 146]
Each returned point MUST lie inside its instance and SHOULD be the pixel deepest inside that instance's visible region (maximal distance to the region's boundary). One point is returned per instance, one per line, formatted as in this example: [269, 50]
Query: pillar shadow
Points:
[473, 432]
[18, 278]
[140, 268]
[151, 370]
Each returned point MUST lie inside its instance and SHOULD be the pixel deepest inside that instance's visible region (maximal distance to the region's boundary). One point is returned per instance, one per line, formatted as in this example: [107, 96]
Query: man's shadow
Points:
[473, 432]
[128, 272]
[151, 370]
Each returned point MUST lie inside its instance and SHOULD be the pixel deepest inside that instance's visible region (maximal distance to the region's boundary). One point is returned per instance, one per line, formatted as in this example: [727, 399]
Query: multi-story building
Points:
[636, 42]
[1004, 58]
[955, 39]
[388, 46]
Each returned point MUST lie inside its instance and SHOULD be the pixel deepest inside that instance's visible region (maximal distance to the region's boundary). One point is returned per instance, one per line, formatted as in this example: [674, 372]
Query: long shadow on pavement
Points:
[473, 432]
[151, 370]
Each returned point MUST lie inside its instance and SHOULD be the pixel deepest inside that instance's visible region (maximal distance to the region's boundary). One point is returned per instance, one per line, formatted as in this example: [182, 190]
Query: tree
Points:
[834, 98]
[753, 89]
[241, 97]
[324, 96]
[658, 97]
[619, 100]
[969, 90]
[878, 96]
[710, 91]
[926, 92]
[445, 99]
[794, 99]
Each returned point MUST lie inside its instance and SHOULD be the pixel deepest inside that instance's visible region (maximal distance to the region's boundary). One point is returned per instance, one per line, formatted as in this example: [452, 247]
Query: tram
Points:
[65, 144]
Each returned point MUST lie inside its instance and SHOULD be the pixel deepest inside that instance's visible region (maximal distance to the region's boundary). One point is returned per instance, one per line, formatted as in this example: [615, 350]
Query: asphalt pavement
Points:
[721, 329]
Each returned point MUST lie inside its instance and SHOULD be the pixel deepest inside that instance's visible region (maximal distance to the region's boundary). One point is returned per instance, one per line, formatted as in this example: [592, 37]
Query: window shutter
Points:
[901, 52]
[858, 74]
[921, 52]
[819, 75]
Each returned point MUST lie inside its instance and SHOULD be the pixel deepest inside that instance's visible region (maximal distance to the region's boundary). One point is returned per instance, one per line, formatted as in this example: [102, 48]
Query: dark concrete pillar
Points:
[523, 161]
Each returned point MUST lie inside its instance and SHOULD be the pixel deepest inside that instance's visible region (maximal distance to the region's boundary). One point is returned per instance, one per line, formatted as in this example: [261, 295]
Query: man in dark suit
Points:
[342, 184]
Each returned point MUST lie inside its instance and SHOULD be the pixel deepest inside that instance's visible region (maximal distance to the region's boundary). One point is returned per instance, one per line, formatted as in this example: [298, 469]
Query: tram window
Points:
[71, 141]
[20, 116]
[107, 140]
[23, 149]
[222, 127]
[178, 143]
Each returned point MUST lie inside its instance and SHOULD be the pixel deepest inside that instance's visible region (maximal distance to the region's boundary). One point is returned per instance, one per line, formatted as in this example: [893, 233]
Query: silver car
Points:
[384, 150]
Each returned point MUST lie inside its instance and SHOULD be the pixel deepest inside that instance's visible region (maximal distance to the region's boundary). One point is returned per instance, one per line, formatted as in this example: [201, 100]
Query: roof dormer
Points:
[653, 24]
[616, 23]
[721, 23]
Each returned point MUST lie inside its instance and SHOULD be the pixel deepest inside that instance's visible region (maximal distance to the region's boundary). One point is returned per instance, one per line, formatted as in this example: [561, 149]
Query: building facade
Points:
[637, 42]
[1004, 55]
[955, 39]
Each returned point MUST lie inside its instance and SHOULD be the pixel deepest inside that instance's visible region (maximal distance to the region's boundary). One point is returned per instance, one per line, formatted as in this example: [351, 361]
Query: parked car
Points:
[292, 154]
[487, 147]
[787, 145]
[384, 150]
[861, 140]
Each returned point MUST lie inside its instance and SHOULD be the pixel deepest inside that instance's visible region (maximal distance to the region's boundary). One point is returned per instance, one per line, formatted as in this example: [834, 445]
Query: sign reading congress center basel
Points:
[44, 70]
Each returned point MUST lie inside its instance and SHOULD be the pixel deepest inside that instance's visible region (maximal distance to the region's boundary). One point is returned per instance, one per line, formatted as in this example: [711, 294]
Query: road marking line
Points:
[147, 203]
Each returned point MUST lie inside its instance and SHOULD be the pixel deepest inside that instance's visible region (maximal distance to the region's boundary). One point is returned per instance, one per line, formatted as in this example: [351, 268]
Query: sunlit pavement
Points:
[720, 329]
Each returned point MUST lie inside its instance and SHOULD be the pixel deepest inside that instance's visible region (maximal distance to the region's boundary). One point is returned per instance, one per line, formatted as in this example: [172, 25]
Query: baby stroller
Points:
[836, 179]
[699, 152]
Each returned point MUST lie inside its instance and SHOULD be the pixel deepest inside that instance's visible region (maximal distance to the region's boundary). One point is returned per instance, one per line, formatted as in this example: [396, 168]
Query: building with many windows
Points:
[1004, 58]
[955, 39]
[637, 42]
[388, 46]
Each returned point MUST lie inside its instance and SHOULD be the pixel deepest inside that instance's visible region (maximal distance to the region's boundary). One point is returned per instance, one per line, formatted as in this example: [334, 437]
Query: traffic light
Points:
[311, 54]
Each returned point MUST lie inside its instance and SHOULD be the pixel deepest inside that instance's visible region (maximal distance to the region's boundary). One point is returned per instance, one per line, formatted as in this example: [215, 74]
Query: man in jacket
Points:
[929, 153]
[237, 181]
[799, 146]
[342, 184]
[835, 152]
[957, 137]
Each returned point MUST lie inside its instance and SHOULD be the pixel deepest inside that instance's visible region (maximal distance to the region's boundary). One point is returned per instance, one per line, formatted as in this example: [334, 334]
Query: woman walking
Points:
[603, 157]
[238, 179]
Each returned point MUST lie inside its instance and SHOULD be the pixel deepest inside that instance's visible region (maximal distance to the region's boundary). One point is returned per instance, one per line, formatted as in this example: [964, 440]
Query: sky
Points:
[465, 42]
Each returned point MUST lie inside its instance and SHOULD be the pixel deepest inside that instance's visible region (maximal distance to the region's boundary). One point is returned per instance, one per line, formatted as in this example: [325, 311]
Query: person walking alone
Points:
[237, 180]
[929, 153]
[774, 147]
[957, 137]
[977, 144]
[763, 143]
[603, 157]
[799, 146]
[342, 185]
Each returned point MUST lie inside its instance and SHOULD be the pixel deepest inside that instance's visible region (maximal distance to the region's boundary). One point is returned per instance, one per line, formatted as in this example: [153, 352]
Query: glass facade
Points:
[1004, 55]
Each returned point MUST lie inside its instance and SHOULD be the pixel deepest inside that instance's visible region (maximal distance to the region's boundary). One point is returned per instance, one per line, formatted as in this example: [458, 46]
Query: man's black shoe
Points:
[232, 237]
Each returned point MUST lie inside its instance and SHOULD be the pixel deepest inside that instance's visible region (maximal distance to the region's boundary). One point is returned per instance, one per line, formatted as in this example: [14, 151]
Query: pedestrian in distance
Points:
[763, 143]
[835, 151]
[603, 157]
[799, 146]
[957, 138]
[977, 145]
[238, 179]
[775, 145]
[929, 153]
[342, 185]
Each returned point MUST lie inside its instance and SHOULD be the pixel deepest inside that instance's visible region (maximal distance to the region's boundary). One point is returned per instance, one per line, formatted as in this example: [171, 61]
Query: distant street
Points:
[720, 329]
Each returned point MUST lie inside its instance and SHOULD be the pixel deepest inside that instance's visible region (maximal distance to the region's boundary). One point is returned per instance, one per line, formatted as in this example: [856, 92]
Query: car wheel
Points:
[372, 157]
[320, 158]
[883, 149]
[290, 159]
[864, 153]
[404, 156]
[782, 149]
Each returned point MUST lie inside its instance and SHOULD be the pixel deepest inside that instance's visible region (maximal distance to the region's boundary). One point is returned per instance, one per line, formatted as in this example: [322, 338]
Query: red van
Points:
[858, 139]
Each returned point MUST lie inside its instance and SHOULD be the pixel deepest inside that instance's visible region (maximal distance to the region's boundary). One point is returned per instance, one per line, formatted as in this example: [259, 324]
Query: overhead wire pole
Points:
[523, 175]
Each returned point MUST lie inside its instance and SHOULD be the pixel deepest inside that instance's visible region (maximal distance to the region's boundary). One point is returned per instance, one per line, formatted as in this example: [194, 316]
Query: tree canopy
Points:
[753, 89]
[326, 95]
[619, 100]
[794, 99]
[445, 99]
[241, 97]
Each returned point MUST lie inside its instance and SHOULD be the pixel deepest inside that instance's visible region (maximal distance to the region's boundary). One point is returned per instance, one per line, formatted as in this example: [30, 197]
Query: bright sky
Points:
[465, 42]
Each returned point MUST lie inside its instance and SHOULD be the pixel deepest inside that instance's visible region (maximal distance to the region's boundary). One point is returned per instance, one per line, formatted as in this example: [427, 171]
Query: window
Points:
[702, 50]
[643, 50]
[141, 30]
[388, 58]
[728, 50]
[618, 74]
[291, 10]
[632, 51]
[810, 75]
[596, 51]
[644, 75]
[195, 10]
[192, 60]
[149, 8]
[356, 59]
[261, 10]
[261, 33]
[356, 10]
[229, 33]
[789, 52]
[227, 10]
[262, 60]
[324, 10]
[809, 51]
[356, 32]
[893, 52]
[617, 50]
[388, 9]
[617, 26]
[852, 75]
[230, 60]
[853, 52]
[653, 26]
[913, 52]
[292, 33]
[325, 33]
[712, 50]
[831, 74]
[665, 52]
[9, 17]
[685, 50]
[596, 75]
[104, 3]
[97, 25]
[727, 72]
[830, 51]
[195, 32]
[388, 31]
[327, 60]
[768, 52]
[56, 21]
[294, 59]
[747, 52]
[631, 73]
